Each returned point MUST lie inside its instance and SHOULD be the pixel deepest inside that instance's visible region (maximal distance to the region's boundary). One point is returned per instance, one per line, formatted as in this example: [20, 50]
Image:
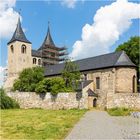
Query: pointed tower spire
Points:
[48, 39]
[19, 34]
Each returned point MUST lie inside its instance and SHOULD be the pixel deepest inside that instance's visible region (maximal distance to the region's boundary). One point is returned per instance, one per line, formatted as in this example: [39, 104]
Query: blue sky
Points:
[66, 23]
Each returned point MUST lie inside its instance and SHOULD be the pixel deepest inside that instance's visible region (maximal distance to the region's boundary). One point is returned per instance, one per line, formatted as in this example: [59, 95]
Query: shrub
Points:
[28, 79]
[6, 102]
[119, 111]
[53, 85]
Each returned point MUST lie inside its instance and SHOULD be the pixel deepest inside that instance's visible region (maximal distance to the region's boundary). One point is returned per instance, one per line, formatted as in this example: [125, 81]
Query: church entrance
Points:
[94, 102]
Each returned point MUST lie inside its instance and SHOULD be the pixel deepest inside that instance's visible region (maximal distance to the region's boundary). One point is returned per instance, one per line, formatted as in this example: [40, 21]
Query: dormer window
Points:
[23, 49]
[12, 48]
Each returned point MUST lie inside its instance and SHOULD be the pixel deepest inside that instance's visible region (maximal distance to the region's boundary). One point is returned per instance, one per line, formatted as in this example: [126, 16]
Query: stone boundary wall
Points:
[128, 100]
[47, 101]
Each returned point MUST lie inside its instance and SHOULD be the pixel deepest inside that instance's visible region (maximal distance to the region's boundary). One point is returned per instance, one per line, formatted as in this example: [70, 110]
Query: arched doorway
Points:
[94, 102]
[134, 84]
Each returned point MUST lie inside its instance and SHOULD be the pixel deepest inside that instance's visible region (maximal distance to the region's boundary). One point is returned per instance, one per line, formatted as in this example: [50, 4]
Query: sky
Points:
[86, 28]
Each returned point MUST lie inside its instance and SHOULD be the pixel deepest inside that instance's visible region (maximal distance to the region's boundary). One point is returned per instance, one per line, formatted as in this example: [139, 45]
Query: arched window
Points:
[134, 84]
[39, 61]
[12, 48]
[23, 49]
[34, 60]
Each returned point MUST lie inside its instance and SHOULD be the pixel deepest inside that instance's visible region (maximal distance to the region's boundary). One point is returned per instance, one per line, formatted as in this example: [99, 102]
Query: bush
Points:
[119, 111]
[28, 79]
[6, 102]
[53, 85]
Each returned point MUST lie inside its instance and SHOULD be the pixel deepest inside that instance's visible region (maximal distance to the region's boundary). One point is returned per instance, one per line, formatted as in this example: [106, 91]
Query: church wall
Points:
[124, 80]
[37, 61]
[107, 84]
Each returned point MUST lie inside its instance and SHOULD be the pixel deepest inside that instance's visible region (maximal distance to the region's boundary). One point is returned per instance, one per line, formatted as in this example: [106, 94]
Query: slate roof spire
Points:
[48, 39]
[19, 34]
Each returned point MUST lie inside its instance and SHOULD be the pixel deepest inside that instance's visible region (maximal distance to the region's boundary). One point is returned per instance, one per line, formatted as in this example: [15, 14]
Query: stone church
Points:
[108, 76]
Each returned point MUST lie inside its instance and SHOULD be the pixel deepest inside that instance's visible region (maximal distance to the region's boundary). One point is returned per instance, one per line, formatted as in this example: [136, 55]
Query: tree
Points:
[70, 73]
[28, 79]
[131, 47]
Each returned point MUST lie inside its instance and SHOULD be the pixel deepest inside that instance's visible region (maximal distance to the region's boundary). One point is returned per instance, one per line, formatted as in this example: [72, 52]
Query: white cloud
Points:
[69, 3]
[109, 23]
[1, 75]
[8, 18]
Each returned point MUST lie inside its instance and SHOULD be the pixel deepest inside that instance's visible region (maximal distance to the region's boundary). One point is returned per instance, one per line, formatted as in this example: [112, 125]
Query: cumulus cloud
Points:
[1, 75]
[109, 23]
[69, 3]
[8, 18]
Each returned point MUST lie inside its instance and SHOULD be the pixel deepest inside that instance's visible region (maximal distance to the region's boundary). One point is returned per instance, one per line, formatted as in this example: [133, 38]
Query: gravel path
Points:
[99, 125]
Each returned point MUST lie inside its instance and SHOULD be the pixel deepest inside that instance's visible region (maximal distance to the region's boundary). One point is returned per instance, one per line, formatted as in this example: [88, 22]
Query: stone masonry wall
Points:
[128, 100]
[47, 101]
[124, 80]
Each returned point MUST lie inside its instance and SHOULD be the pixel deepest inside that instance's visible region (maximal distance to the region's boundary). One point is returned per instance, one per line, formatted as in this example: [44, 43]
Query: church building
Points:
[21, 55]
[106, 76]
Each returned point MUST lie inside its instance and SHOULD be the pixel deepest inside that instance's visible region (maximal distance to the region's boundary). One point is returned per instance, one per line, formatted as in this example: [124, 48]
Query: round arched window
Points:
[34, 60]
[23, 49]
[39, 61]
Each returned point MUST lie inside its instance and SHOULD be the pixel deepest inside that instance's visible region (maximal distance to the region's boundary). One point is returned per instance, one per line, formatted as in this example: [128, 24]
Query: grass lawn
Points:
[119, 111]
[38, 123]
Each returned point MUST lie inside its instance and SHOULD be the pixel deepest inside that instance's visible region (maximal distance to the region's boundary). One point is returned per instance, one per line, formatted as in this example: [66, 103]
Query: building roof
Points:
[36, 53]
[114, 59]
[48, 41]
[19, 34]
[83, 84]
[91, 93]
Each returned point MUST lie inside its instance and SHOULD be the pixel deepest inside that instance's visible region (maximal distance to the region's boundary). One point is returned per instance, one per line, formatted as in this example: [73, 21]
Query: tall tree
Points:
[70, 73]
[131, 47]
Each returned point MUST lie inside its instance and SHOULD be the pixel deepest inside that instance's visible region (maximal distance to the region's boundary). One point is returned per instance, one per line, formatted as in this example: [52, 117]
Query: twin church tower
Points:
[21, 55]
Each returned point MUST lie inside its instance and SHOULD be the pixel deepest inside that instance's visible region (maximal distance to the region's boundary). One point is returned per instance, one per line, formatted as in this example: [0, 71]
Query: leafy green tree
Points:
[28, 79]
[131, 47]
[53, 85]
[70, 73]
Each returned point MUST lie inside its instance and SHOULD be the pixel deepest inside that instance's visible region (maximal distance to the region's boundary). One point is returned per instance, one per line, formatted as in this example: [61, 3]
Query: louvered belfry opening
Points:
[51, 54]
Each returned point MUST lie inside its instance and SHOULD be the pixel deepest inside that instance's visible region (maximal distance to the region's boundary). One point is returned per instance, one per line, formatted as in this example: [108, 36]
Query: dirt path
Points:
[99, 125]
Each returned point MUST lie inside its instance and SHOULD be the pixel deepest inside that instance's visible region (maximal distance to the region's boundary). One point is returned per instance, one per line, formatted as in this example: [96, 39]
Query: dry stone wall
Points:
[128, 100]
[47, 101]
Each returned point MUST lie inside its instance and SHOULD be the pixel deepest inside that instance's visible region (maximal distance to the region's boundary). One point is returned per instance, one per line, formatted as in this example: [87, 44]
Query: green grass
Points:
[119, 111]
[38, 123]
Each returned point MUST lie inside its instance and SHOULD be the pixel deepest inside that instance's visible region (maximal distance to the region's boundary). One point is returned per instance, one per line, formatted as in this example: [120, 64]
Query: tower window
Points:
[23, 49]
[97, 82]
[39, 61]
[12, 48]
[34, 60]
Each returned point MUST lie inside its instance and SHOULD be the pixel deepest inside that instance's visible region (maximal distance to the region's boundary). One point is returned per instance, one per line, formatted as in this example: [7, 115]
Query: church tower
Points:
[19, 54]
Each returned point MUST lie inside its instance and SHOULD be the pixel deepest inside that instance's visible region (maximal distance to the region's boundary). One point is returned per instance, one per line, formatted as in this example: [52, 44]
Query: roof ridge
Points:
[123, 58]
[99, 55]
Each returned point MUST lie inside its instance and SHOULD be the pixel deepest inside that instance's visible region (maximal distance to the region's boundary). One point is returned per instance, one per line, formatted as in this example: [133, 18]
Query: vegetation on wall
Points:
[6, 102]
[70, 74]
[33, 80]
[53, 85]
[28, 79]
